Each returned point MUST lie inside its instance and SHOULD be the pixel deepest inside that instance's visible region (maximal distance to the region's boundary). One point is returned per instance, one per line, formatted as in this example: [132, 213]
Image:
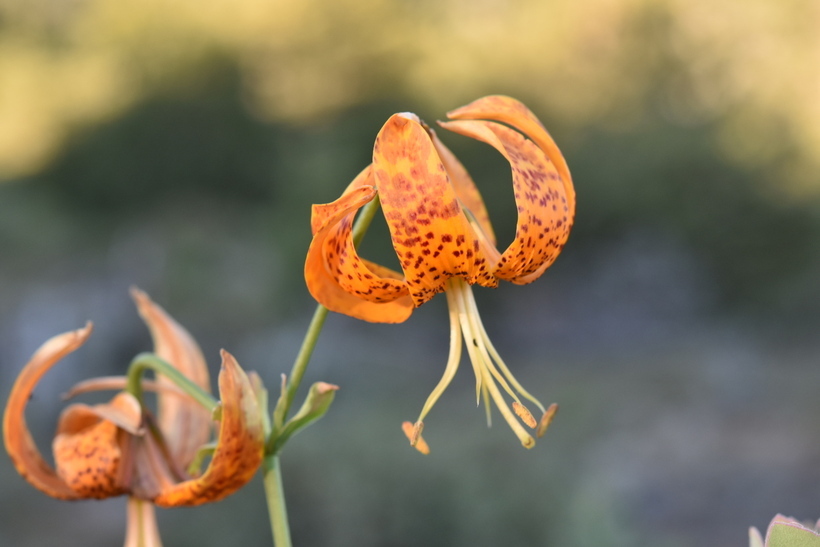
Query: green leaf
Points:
[316, 403]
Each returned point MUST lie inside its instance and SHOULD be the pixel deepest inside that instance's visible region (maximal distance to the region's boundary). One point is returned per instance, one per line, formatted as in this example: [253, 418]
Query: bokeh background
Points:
[178, 145]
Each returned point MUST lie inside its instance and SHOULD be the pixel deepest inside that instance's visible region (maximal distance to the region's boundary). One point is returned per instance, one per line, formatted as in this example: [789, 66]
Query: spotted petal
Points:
[92, 446]
[431, 235]
[543, 220]
[21, 448]
[337, 277]
[239, 449]
[466, 190]
[512, 112]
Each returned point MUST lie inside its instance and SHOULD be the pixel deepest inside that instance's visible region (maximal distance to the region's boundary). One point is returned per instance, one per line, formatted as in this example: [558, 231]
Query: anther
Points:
[413, 434]
[522, 412]
[417, 429]
[546, 420]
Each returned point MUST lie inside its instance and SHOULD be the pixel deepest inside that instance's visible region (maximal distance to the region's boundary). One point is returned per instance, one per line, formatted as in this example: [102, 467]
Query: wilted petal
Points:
[92, 453]
[239, 449]
[185, 423]
[119, 383]
[123, 410]
[431, 235]
[544, 220]
[21, 448]
[91, 447]
[337, 277]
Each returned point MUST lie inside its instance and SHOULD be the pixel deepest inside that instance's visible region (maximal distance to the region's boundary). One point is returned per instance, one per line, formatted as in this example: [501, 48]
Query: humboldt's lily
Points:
[121, 448]
[442, 236]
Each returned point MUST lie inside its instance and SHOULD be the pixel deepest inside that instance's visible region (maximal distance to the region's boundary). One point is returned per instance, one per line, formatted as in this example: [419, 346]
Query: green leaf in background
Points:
[791, 534]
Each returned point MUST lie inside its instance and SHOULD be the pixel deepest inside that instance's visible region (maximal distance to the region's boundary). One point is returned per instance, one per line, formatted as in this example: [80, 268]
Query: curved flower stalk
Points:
[786, 532]
[120, 448]
[444, 241]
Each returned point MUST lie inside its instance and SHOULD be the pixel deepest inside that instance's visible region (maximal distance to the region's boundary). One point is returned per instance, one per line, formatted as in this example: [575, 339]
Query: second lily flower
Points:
[442, 236]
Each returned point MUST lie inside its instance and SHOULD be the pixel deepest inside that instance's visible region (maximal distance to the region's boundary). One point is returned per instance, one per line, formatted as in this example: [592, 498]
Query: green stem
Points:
[276, 501]
[274, 490]
[319, 316]
[305, 353]
[149, 361]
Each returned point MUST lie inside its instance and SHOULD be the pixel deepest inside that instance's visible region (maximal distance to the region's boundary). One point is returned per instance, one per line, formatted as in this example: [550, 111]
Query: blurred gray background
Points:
[178, 146]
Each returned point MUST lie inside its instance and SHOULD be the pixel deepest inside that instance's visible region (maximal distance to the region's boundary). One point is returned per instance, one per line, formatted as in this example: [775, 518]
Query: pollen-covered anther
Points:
[546, 420]
[418, 427]
[522, 412]
[413, 433]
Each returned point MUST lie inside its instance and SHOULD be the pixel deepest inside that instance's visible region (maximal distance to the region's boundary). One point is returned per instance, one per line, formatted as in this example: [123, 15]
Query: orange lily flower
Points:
[121, 448]
[442, 236]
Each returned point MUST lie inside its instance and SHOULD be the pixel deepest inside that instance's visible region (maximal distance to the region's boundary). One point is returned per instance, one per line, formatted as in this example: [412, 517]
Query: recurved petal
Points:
[324, 214]
[338, 278]
[185, 424]
[21, 448]
[544, 219]
[466, 189]
[431, 235]
[511, 111]
[239, 449]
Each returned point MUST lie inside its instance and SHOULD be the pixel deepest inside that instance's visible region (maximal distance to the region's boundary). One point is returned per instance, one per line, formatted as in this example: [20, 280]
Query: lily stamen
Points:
[466, 324]
[497, 358]
[453, 359]
[481, 360]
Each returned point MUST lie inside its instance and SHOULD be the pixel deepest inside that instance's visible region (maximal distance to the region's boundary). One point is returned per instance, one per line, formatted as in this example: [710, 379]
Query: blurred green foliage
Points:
[671, 116]
[178, 145]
